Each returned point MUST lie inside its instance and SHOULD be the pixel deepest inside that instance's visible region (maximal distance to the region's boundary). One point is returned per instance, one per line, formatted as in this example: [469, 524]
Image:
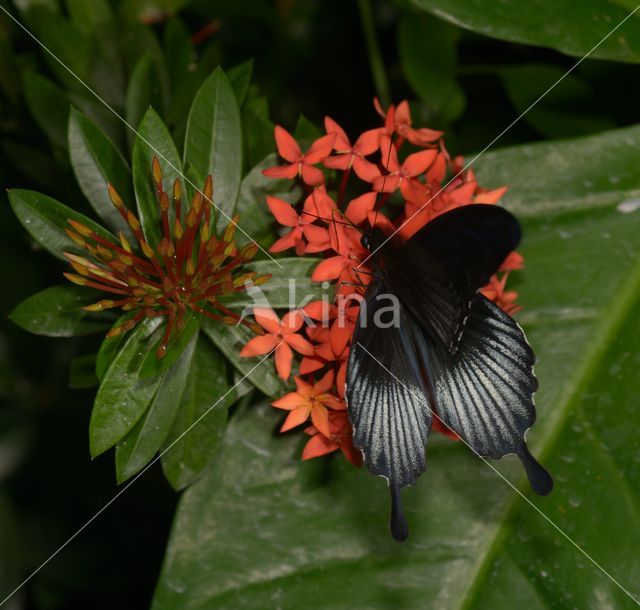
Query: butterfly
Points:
[428, 344]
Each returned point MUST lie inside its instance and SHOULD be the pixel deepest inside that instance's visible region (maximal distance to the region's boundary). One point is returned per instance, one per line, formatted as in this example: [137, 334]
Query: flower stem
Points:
[375, 56]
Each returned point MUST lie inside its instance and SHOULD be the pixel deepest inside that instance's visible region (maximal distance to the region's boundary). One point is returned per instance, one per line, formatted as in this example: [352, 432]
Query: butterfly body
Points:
[428, 344]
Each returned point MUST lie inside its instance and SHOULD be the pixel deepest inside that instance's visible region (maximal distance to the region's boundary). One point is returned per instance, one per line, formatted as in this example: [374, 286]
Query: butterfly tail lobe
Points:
[539, 478]
[397, 523]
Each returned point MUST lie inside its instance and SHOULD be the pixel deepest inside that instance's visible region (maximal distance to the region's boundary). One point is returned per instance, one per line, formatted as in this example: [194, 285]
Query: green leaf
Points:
[153, 365]
[57, 312]
[97, 162]
[200, 423]
[288, 288]
[305, 130]
[230, 340]
[144, 90]
[153, 140]
[255, 218]
[555, 114]
[574, 28]
[240, 78]
[213, 143]
[123, 398]
[475, 543]
[46, 219]
[257, 131]
[109, 347]
[548, 178]
[139, 446]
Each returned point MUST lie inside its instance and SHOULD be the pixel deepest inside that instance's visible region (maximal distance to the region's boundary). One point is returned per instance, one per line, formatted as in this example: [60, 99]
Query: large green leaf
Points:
[139, 446]
[261, 525]
[574, 28]
[96, 163]
[213, 143]
[200, 423]
[230, 340]
[153, 140]
[57, 312]
[46, 219]
[290, 286]
[123, 397]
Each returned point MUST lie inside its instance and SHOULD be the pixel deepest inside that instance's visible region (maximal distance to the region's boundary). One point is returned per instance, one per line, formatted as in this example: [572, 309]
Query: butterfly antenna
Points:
[384, 180]
[328, 220]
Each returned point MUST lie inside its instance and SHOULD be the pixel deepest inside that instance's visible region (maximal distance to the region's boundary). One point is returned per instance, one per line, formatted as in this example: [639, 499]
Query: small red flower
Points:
[401, 175]
[340, 437]
[281, 336]
[399, 120]
[310, 401]
[353, 156]
[300, 164]
[302, 227]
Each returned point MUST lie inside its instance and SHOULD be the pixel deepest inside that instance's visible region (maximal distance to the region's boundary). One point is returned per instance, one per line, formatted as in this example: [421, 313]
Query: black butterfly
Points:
[427, 341]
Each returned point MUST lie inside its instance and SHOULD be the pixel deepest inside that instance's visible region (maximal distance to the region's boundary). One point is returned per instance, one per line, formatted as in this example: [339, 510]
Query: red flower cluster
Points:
[396, 164]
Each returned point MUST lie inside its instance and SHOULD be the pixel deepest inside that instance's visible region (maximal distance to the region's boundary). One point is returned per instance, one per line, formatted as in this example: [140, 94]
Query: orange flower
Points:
[506, 299]
[310, 401]
[402, 175]
[399, 120]
[302, 227]
[281, 336]
[340, 437]
[300, 164]
[353, 156]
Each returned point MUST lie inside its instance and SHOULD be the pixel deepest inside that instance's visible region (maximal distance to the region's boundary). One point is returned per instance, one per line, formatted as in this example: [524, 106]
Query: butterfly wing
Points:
[438, 271]
[387, 396]
[484, 392]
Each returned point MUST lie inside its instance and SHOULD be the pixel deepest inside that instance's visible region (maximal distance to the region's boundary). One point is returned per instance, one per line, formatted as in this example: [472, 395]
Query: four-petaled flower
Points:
[310, 400]
[280, 337]
[300, 164]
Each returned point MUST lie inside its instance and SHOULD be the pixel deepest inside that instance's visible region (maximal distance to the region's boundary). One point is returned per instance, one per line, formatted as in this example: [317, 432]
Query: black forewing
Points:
[437, 272]
[484, 392]
[387, 397]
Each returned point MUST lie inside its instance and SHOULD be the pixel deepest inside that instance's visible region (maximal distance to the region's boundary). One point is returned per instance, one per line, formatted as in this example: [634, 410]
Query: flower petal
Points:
[295, 418]
[310, 364]
[320, 310]
[287, 146]
[368, 142]
[267, 318]
[341, 142]
[292, 321]
[300, 344]
[490, 196]
[311, 175]
[418, 162]
[329, 269]
[342, 161]
[284, 356]
[325, 383]
[318, 445]
[281, 171]
[320, 149]
[365, 170]
[260, 345]
[282, 211]
[359, 207]
[289, 401]
[289, 240]
[320, 419]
